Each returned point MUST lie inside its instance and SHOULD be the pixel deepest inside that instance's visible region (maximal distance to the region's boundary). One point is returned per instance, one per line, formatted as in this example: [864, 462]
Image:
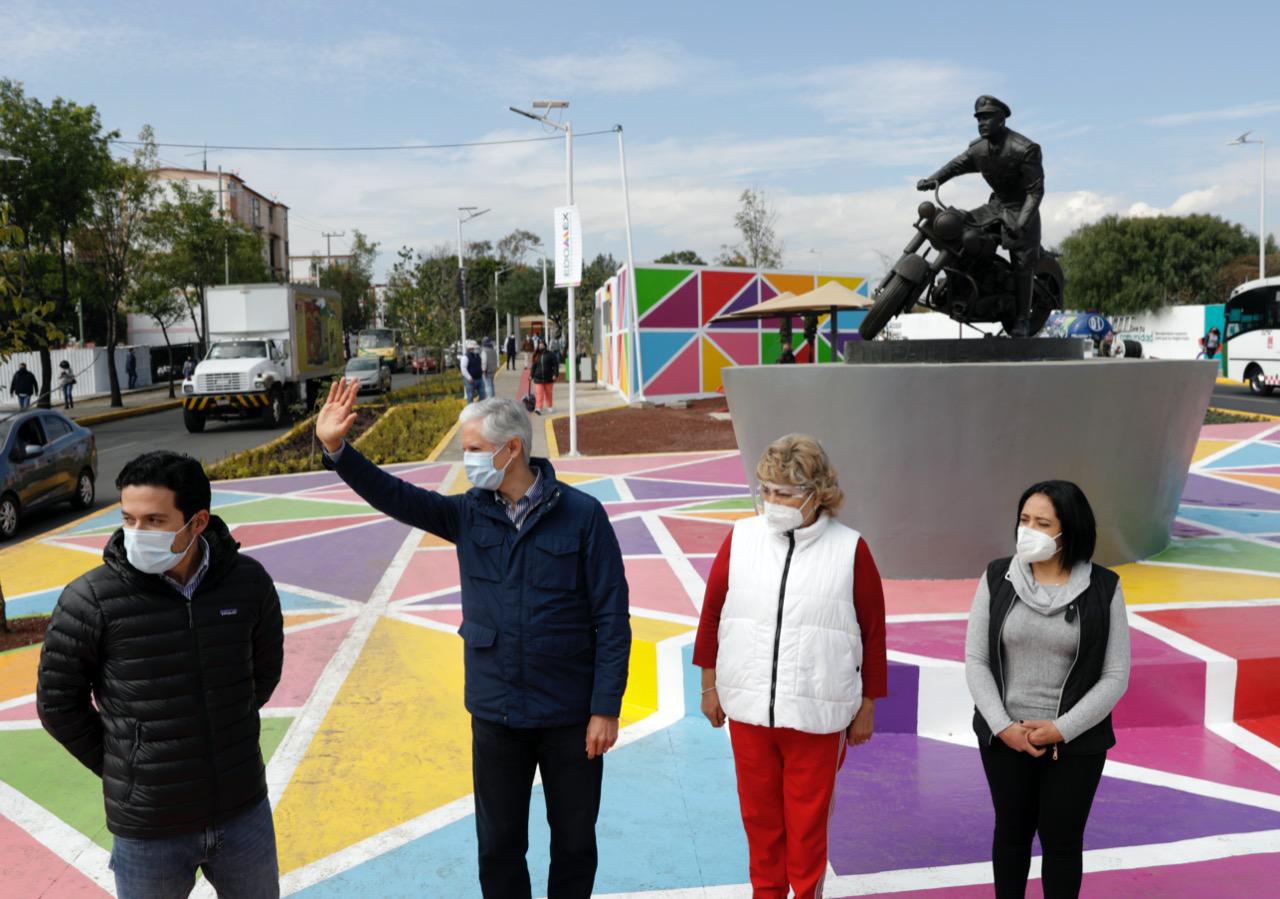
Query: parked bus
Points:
[384, 343]
[1252, 341]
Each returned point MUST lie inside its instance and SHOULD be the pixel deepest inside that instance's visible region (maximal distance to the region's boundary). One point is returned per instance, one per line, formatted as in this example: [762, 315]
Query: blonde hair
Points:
[800, 460]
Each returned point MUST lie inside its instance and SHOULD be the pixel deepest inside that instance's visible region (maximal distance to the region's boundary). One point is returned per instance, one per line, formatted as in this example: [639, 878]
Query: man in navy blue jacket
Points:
[545, 628]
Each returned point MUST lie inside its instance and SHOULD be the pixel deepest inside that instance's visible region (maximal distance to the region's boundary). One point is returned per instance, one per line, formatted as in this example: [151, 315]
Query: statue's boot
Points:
[1023, 283]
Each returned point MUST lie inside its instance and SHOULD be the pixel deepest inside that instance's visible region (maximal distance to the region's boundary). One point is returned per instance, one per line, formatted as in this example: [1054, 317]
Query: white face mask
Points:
[149, 552]
[1036, 546]
[784, 519]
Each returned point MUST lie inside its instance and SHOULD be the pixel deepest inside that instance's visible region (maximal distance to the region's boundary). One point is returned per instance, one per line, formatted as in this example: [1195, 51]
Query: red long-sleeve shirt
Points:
[868, 604]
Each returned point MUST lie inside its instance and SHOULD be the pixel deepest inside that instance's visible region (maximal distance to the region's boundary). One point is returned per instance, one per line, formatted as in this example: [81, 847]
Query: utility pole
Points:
[328, 248]
[466, 214]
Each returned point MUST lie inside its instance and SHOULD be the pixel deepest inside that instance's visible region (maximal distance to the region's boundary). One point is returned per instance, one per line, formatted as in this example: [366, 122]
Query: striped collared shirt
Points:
[520, 509]
[189, 588]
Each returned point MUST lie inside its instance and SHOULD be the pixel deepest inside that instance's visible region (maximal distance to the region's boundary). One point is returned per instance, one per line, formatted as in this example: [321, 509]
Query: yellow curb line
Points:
[553, 447]
[122, 414]
[444, 442]
[1250, 414]
[1229, 382]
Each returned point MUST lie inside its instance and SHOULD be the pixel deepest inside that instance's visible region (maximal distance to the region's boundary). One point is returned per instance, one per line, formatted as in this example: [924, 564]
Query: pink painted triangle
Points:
[256, 534]
[93, 541]
[714, 471]
[655, 586]
[681, 376]
[445, 616]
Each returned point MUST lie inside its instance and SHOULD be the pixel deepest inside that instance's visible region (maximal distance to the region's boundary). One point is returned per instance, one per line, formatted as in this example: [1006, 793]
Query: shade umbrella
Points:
[831, 298]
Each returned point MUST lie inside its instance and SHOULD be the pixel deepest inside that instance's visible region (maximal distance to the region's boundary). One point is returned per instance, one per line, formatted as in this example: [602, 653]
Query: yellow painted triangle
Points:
[719, 516]
[431, 541]
[714, 361]
[18, 672]
[1166, 583]
[1257, 480]
[851, 283]
[569, 477]
[1205, 448]
[33, 566]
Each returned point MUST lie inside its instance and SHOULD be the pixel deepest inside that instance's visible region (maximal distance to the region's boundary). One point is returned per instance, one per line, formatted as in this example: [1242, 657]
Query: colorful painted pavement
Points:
[367, 739]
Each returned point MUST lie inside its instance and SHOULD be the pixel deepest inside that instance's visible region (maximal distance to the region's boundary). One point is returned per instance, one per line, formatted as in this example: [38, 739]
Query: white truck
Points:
[270, 346]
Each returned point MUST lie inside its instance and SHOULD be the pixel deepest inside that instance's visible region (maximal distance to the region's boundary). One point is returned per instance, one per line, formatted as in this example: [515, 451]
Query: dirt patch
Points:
[25, 631]
[657, 430]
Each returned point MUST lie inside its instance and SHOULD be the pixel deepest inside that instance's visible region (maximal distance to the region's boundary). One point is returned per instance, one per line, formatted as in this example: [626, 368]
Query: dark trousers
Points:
[511, 361]
[1038, 795]
[503, 761]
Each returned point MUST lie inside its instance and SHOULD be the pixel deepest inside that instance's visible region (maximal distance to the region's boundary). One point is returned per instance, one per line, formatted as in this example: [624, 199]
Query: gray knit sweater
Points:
[1039, 649]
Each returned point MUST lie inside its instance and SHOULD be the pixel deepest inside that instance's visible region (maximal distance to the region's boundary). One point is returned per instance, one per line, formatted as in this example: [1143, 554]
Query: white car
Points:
[372, 373]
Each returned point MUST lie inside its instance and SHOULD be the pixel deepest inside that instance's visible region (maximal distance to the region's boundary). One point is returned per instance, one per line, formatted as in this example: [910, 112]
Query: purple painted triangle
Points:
[746, 298]
[643, 489]
[347, 564]
[634, 537]
[679, 309]
[447, 599]
[1213, 492]
[885, 774]
[649, 505]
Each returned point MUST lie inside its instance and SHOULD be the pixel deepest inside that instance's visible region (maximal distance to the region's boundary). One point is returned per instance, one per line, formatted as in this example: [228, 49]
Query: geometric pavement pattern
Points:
[367, 741]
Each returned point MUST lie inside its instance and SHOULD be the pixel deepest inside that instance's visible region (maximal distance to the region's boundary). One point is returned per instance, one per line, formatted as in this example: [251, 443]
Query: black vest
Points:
[1094, 608]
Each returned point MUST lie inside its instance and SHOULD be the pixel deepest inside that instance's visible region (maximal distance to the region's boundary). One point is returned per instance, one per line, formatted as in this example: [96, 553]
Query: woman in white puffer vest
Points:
[792, 651]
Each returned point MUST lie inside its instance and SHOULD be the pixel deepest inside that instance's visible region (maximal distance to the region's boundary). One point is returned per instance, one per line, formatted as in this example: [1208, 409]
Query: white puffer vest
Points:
[790, 651]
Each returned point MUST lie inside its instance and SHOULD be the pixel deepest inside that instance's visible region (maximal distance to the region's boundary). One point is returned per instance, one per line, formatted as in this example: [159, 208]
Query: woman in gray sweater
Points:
[1046, 659]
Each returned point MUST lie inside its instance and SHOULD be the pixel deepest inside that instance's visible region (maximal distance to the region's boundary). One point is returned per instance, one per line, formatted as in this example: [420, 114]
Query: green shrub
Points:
[294, 451]
[427, 388]
[409, 432]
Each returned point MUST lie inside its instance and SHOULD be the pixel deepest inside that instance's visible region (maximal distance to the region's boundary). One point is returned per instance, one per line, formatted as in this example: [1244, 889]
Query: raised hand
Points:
[338, 414]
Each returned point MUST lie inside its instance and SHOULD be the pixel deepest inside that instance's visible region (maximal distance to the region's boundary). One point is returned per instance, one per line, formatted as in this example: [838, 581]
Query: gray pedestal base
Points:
[933, 458]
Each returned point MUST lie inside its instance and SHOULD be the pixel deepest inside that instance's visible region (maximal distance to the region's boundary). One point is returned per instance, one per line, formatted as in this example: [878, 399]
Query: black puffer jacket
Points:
[178, 686]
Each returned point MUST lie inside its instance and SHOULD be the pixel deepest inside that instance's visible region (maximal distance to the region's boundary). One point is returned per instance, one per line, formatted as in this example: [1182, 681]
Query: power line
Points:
[475, 143]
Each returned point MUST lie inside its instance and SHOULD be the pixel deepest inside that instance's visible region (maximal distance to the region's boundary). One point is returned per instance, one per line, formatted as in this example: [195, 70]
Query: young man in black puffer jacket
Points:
[178, 641]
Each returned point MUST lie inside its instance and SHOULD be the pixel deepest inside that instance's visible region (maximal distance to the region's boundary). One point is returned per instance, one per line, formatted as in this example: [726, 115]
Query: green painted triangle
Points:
[35, 765]
[1221, 552]
[652, 284]
[737, 504]
[286, 509]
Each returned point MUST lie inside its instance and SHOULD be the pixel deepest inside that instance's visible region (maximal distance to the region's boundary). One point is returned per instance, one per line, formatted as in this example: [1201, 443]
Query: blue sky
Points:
[834, 109]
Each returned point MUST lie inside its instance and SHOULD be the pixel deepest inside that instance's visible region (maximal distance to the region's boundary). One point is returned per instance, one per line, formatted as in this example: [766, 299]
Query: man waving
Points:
[545, 628]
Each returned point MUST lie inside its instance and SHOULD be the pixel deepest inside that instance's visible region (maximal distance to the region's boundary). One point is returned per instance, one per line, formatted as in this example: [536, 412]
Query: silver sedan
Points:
[370, 372]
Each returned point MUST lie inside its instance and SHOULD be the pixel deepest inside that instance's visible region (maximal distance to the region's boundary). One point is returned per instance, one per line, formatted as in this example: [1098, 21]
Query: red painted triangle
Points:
[92, 541]
[697, 537]
[719, 288]
[251, 535]
[681, 376]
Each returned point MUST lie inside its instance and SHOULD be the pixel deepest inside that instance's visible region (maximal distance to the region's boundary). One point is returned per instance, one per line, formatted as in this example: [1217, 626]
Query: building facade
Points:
[241, 203]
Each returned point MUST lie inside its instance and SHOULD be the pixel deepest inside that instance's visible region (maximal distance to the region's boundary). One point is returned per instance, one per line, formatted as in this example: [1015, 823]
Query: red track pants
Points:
[786, 788]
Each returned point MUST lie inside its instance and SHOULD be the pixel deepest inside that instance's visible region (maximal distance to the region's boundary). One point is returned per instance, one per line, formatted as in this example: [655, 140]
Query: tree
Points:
[24, 322]
[152, 295]
[516, 246]
[353, 281]
[66, 158]
[1245, 268]
[756, 220]
[1125, 265]
[681, 257]
[199, 247]
[115, 240]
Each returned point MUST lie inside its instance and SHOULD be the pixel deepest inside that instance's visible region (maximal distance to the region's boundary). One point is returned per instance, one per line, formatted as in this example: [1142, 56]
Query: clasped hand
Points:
[1031, 737]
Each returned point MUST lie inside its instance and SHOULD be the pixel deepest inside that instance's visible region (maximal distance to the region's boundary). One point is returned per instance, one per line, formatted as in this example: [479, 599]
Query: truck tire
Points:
[275, 413]
[193, 420]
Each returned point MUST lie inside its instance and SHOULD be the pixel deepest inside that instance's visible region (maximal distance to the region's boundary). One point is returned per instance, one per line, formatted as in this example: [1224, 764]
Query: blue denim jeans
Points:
[238, 858]
[474, 390]
[488, 387]
[24, 400]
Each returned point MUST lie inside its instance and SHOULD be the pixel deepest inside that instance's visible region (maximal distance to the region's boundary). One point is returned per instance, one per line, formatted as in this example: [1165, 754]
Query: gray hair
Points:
[500, 420]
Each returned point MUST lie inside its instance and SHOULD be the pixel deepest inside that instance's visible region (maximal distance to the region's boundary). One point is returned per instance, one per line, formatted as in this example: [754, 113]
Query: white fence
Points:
[88, 365]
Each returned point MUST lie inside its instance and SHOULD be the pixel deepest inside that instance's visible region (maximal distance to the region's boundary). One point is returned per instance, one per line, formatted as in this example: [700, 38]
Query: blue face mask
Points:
[481, 470]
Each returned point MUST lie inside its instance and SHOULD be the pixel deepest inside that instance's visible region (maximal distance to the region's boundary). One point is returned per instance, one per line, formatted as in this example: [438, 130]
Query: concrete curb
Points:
[121, 414]
[1261, 415]
[549, 422]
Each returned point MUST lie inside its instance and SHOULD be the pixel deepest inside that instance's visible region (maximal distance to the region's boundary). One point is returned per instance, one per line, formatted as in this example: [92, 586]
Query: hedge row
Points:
[294, 451]
[409, 432]
[428, 387]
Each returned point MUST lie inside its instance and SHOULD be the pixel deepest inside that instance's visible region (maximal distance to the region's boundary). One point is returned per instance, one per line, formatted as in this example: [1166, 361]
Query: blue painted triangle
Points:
[1249, 454]
[657, 348]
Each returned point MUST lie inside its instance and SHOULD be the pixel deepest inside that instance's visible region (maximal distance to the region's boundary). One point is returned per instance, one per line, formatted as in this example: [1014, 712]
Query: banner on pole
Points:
[542, 297]
[568, 232]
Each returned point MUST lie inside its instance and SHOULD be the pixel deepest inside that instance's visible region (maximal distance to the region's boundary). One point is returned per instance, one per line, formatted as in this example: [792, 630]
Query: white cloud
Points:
[1224, 114]
[631, 66]
[32, 31]
[892, 91]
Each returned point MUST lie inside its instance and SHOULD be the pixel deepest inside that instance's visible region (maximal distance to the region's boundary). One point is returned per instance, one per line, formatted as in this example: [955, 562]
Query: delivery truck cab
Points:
[271, 346]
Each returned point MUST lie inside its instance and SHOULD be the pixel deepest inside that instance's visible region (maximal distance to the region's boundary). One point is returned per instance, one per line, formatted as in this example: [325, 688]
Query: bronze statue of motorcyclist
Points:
[1011, 164]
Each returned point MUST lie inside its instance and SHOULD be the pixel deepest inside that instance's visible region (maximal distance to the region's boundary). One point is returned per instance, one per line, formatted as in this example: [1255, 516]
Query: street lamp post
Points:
[633, 326]
[467, 213]
[1262, 197]
[497, 327]
[567, 128]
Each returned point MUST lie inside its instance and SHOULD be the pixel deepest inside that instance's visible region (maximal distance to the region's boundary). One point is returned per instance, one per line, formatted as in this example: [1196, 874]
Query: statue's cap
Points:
[988, 103]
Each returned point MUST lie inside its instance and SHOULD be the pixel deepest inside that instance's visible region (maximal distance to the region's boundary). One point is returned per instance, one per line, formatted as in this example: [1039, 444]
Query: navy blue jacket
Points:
[546, 627]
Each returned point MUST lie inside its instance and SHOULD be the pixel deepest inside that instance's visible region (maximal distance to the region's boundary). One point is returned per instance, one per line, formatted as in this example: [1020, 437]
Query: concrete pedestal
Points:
[933, 458]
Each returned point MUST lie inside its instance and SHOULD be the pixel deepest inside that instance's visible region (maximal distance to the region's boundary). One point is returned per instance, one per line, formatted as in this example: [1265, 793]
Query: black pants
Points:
[503, 760]
[511, 361]
[1033, 795]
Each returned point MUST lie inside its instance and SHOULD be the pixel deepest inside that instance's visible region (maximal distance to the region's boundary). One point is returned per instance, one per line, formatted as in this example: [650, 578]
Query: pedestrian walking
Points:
[544, 370]
[1212, 342]
[188, 369]
[23, 385]
[154, 668]
[131, 368]
[472, 373]
[791, 643]
[545, 631]
[489, 356]
[1046, 659]
[66, 381]
[510, 351]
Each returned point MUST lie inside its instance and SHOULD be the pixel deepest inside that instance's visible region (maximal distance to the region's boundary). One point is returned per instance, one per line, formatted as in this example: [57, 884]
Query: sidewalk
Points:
[139, 401]
[591, 397]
